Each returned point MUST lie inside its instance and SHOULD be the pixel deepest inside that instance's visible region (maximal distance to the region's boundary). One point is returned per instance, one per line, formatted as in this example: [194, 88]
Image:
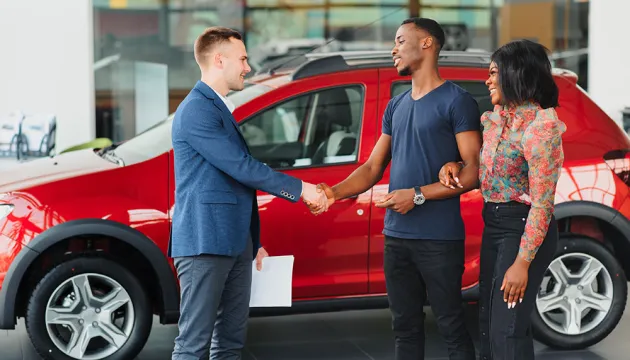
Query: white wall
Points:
[46, 61]
[609, 55]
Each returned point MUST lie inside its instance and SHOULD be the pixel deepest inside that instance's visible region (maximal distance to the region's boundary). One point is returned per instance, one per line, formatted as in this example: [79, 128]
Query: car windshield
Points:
[157, 139]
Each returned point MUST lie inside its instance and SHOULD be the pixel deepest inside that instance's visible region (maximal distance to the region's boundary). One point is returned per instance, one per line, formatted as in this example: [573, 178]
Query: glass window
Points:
[377, 33]
[477, 89]
[130, 33]
[314, 129]
[274, 33]
[157, 139]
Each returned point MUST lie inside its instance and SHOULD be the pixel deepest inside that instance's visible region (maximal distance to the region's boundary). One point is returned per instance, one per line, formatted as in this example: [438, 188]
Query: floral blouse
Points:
[521, 159]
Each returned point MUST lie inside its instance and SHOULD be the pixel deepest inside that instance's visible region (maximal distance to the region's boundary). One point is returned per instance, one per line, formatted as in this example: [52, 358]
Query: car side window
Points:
[477, 89]
[315, 129]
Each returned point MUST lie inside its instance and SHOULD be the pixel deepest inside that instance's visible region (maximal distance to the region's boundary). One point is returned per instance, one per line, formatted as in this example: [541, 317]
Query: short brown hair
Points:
[212, 37]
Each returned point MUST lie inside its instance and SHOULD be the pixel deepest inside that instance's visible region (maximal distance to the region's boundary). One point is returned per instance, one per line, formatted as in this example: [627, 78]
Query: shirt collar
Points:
[226, 101]
[503, 113]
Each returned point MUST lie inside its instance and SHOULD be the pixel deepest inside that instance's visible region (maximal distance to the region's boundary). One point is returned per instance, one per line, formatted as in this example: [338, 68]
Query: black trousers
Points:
[506, 333]
[415, 269]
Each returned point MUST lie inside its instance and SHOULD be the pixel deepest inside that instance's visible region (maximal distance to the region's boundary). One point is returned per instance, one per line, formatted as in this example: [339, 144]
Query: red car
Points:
[83, 235]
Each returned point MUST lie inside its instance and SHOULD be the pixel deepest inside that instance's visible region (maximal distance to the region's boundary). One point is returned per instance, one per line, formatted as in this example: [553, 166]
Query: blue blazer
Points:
[216, 179]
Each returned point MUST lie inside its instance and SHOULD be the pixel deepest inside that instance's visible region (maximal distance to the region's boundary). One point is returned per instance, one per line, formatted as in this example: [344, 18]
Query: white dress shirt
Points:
[226, 101]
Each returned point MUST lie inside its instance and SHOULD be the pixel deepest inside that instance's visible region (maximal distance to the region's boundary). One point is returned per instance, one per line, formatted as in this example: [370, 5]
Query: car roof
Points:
[298, 67]
[306, 65]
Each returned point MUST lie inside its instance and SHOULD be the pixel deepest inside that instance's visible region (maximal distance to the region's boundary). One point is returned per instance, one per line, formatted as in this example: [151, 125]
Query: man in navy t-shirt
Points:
[423, 137]
[433, 123]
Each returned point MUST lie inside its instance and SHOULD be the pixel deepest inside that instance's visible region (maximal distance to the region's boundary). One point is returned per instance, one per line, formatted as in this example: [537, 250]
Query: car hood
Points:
[49, 169]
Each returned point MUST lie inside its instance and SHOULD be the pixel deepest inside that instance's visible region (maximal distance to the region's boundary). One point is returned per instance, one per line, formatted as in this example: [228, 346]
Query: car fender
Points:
[595, 210]
[26, 257]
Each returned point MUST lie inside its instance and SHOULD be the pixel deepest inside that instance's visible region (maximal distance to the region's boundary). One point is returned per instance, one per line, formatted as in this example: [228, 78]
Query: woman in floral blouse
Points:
[520, 163]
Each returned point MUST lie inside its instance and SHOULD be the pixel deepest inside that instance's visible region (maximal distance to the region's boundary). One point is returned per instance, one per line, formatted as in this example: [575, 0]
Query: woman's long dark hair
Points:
[525, 74]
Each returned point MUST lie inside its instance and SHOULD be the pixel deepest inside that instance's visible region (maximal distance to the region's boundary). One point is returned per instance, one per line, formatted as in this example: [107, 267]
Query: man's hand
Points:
[401, 201]
[314, 198]
[449, 175]
[330, 194]
[262, 253]
[330, 197]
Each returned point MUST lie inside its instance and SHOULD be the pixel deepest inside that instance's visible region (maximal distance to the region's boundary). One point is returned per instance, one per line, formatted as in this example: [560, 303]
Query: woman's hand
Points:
[449, 175]
[515, 282]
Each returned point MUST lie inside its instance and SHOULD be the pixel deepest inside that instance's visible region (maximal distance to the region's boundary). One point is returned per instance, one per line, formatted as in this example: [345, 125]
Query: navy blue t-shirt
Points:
[423, 140]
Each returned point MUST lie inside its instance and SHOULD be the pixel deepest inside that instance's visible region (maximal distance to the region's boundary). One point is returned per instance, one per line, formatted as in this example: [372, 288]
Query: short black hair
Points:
[429, 25]
[525, 74]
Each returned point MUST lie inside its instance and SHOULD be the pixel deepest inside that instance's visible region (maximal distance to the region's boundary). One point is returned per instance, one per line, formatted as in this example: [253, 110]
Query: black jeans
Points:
[415, 269]
[506, 333]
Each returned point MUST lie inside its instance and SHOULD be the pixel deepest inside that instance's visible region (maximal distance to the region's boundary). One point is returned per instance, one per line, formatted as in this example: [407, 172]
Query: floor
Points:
[357, 335]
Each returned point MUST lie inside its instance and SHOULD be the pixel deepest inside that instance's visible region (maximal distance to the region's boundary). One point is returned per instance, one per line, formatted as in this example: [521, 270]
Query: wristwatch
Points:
[418, 198]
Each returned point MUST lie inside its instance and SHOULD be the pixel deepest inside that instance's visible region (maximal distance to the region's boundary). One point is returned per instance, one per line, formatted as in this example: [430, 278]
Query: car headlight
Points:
[5, 209]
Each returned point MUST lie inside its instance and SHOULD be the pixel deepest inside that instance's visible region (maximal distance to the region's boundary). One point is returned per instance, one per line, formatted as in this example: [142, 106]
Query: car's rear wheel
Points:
[582, 296]
[89, 308]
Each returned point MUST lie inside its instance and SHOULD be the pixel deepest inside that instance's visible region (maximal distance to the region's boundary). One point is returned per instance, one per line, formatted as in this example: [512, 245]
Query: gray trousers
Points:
[214, 309]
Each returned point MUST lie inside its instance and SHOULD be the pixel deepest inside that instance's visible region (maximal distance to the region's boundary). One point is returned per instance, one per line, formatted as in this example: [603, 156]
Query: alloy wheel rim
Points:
[576, 294]
[89, 316]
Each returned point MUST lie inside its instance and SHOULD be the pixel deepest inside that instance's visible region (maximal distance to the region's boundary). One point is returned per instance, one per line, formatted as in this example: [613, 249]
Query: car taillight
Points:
[619, 162]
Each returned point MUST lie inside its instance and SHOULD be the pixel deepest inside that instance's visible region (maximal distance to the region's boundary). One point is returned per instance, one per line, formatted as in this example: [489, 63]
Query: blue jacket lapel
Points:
[225, 112]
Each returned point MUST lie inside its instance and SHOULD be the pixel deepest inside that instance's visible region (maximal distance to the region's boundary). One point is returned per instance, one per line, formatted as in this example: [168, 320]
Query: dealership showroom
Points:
[88, 95]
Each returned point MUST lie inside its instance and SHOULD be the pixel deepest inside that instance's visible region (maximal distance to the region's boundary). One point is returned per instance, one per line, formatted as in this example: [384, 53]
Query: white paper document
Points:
[271, 287]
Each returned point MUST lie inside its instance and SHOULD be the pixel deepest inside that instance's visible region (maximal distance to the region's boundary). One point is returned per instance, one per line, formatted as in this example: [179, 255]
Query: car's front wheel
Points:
[582, 296]
[89, 308]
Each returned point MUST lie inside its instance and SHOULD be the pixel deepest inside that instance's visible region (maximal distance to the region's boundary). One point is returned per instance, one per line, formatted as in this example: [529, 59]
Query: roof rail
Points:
[352, 55]
[312, 64]
[383, 54]
[322, 63]
[320, 66]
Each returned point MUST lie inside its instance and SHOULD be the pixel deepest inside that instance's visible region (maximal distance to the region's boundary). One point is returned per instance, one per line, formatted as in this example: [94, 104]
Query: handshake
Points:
[318, 198]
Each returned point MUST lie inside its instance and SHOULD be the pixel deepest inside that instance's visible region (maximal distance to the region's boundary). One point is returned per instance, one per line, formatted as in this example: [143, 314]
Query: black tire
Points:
[35, 314]
[584, 245]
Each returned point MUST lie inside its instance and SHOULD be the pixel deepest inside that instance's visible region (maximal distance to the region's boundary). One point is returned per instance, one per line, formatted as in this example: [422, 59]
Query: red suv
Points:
[316, 118]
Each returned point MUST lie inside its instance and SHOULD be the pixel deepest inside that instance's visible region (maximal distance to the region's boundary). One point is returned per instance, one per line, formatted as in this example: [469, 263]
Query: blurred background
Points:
[78, 70]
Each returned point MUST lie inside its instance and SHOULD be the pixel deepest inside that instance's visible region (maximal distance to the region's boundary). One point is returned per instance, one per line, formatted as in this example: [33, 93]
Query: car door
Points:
[317, 130]
[472, 80]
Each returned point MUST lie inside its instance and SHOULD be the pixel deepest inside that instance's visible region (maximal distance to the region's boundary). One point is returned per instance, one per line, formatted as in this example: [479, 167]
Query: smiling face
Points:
[233, 61]
[410, 47]
[496, 95]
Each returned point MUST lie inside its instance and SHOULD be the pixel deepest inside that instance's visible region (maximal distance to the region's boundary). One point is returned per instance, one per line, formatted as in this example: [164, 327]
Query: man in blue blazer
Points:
[216, 228]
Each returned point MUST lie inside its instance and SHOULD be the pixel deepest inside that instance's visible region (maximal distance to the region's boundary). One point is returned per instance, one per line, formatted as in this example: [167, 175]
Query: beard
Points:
[236, 84]
[406, 71]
